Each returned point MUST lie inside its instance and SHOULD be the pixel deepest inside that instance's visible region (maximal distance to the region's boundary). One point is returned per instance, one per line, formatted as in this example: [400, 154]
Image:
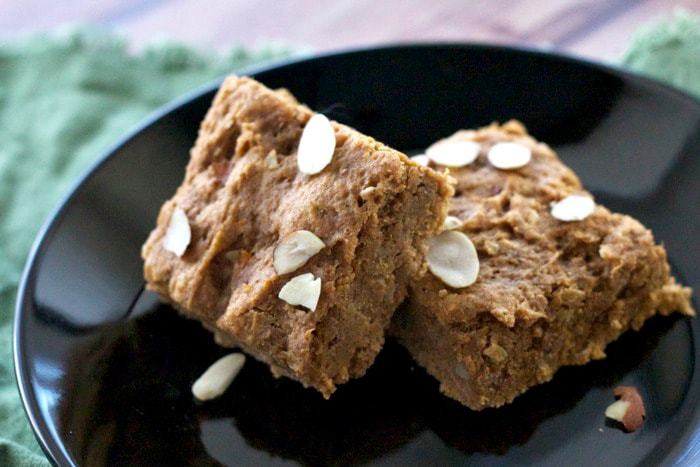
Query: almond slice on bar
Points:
[508, 155]
[218, 377]
[271, 161]
[294, 250]
[368, 190]
[451, 223]
[316, 145]
[421, 159]
[178, 235]
[303, 290]
[452, 258]
[573, 208]
[453, 153]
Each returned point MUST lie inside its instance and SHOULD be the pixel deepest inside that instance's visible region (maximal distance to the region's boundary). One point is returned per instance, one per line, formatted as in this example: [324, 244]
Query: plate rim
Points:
[54, 451]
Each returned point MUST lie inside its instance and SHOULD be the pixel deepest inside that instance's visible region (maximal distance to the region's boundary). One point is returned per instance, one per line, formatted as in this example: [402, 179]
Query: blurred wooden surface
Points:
[598, 29]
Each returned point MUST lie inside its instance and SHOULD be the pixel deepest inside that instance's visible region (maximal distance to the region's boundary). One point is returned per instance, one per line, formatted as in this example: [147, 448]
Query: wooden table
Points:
[590, 28]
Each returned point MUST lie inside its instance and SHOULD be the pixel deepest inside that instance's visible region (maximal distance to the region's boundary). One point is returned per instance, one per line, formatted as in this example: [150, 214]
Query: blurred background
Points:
[599, 29]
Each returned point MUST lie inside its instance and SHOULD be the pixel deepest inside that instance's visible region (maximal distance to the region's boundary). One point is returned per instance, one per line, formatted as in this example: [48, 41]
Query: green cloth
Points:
[668, 50]
[64, 99]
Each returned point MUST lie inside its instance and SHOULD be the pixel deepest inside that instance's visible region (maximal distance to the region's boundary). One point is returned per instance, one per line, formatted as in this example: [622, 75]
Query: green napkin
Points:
[65, 98]
[669, 51]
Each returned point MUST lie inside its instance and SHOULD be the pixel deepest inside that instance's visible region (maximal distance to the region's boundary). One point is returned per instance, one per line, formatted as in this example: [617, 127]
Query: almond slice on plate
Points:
[218, 377]
[452, 258]
[628, 409]
[178, 235]
[316, 145]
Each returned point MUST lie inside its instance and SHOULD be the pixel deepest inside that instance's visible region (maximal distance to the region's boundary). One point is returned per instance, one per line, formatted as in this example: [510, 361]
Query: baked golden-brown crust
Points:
[549, 293]
[239, 204]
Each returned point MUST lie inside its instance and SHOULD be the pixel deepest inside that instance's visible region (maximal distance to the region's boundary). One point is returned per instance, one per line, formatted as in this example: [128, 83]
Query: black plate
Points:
[105, 371]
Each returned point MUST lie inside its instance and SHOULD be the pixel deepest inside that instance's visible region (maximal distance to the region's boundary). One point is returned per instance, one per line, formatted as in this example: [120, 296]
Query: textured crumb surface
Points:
[549, 293]
[240, 205]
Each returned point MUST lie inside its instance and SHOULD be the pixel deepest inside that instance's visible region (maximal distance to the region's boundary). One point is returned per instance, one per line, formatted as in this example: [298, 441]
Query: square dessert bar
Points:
[549, 292]
[303, 270]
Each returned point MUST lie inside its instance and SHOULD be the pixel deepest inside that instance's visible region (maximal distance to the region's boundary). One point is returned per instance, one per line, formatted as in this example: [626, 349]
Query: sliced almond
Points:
[316, 145]
[573, 208]
[368, 190]
[294, 250]
[271, 160]
[452, 258]
[628, 409]
[178, 235]
[218, 377]
[617, 410]
[451, 223]
[421, 159]
[453, 153]
[507, 156]
[302, 290]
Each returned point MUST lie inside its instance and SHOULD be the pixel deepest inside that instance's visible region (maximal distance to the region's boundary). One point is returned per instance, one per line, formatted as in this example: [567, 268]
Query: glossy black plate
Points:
[105, 371]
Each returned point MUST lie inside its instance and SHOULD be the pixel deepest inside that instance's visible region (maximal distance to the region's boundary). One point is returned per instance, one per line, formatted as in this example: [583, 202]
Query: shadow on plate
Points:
[130, 402]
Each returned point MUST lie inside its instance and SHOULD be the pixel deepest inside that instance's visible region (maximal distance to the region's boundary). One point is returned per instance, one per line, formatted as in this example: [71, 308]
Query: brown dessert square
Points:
[554, 285]
[303, 270]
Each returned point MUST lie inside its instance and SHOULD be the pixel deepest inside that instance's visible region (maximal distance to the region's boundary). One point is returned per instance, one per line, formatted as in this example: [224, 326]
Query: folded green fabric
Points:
[65, 98]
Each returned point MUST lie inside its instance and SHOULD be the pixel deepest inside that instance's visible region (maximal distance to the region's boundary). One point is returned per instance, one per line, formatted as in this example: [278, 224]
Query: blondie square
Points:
[553, 289]
[299, 261]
